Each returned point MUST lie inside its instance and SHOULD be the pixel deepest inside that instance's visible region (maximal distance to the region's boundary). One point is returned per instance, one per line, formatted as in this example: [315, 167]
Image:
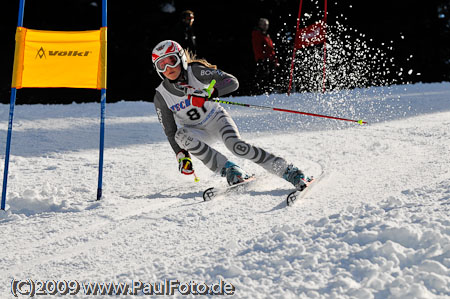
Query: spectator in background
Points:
[184, 31]
[265, 58]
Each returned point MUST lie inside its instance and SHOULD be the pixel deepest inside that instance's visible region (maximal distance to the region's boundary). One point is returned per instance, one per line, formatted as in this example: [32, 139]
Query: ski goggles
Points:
[171, 60]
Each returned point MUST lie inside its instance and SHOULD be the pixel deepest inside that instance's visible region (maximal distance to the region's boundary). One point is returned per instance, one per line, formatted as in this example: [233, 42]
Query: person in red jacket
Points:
[265, 57]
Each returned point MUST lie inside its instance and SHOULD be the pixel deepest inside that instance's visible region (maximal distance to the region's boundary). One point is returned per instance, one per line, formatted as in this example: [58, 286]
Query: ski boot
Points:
[295, 176]
[233, 173]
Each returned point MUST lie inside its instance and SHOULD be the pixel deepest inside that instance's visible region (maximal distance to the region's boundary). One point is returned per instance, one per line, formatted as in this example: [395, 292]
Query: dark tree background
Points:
[224, 37]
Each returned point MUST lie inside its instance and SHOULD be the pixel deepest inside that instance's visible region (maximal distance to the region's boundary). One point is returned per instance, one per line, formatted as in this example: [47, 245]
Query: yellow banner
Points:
[75, 59]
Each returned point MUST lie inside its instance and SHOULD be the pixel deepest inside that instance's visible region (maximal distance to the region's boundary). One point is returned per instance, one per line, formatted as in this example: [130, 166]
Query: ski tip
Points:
[291, 198]
[208, 194]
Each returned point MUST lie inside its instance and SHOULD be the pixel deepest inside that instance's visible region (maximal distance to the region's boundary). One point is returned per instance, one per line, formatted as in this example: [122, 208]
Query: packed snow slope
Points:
[377, 226]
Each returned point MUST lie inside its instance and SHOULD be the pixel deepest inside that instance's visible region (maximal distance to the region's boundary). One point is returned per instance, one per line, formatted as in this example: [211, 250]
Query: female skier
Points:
[182, 99]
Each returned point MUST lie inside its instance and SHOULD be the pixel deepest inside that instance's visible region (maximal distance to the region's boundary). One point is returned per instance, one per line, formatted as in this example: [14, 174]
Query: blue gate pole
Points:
[102, 117]
[8, 146]
[12, 103]
[102, 143]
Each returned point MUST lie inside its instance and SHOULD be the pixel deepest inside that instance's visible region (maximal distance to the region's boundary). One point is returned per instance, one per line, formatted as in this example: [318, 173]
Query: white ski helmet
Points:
[168, 48]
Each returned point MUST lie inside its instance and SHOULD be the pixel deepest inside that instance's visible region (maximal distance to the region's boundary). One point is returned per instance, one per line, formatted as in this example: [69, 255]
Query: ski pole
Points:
[196, 178]
[287, 110]
[211, 85]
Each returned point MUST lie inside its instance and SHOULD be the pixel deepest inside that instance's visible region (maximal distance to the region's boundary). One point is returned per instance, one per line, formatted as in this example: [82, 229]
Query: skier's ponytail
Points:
[191, 57]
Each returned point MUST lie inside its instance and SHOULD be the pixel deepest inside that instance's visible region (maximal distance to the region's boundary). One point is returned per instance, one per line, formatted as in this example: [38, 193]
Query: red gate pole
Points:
[324, 47]
[294, 49]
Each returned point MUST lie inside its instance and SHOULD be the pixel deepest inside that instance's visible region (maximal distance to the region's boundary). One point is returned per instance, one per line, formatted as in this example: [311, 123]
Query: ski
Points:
[215, 192]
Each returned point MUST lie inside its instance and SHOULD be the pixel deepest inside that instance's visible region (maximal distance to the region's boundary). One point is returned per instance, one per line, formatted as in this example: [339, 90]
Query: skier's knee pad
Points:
[238, 147]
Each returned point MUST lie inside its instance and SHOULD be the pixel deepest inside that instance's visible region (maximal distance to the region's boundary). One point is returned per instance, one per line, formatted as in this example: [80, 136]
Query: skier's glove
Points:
[199, 97]
[185, 162]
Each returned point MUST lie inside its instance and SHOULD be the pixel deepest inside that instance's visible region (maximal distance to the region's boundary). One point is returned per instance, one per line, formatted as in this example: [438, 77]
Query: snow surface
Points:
[377, 226]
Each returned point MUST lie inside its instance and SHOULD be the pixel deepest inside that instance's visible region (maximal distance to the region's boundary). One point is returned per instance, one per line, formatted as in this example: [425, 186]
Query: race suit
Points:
[195, 129]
